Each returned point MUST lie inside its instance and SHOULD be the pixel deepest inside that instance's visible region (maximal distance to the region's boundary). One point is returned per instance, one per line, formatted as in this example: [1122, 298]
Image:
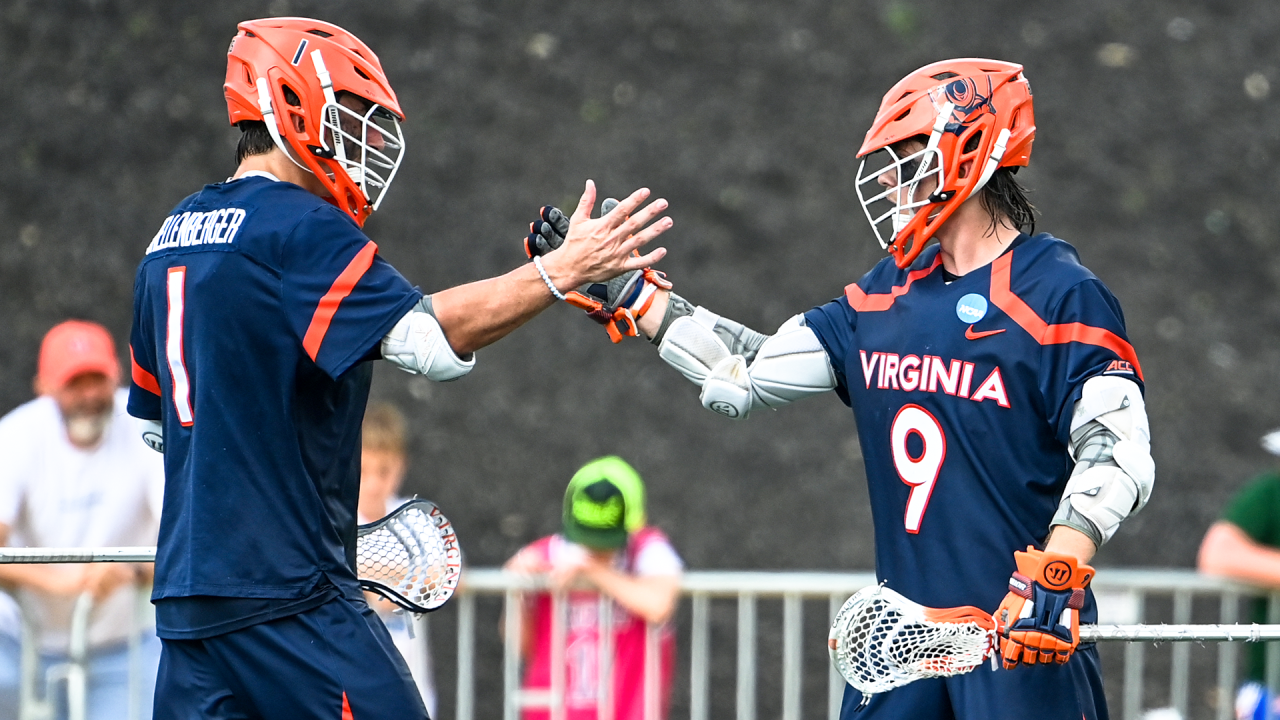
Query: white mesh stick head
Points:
[411, 557]
[880, 640]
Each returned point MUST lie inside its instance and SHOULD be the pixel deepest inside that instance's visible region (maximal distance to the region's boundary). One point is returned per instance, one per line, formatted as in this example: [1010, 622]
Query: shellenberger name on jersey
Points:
[198, 228]
[931, 373]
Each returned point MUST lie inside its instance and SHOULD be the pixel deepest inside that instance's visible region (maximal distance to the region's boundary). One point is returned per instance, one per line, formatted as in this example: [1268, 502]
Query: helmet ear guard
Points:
[267, 107]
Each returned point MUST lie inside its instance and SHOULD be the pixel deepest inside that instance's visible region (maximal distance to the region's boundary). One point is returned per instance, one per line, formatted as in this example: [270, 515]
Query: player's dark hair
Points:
[1004, 198]
[254, 140]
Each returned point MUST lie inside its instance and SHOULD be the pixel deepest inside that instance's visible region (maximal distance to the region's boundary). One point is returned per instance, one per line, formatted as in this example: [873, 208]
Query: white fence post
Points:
[746, 656]
[1133, 670]
[604, 658]
[1228, 612]
[792, 655]
[1273, 653]
[700, 658]
[1180, 667]
[511, 654]
[559, 640]
[835, 681]
[466, 657]
[652, 671]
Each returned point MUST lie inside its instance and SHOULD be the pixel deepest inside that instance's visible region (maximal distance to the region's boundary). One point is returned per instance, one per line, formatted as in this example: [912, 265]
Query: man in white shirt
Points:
[74, 473]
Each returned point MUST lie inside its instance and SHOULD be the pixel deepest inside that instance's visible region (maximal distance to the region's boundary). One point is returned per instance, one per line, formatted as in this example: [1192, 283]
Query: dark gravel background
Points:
[1155, 157]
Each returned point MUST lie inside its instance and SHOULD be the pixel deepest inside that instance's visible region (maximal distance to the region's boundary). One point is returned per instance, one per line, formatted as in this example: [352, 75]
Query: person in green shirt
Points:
[1245, 545]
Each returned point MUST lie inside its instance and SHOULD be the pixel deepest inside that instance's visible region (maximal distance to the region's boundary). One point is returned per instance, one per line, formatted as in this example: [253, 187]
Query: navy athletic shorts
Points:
[1046, 692]
[335, 661]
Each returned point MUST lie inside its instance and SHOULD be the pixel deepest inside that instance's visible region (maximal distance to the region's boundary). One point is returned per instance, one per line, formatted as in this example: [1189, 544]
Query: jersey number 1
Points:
[177, 293]
[918, 471]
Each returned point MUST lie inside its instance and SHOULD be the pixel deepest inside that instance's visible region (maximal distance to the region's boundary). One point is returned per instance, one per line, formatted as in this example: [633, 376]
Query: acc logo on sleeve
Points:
[971, 308]
[1119, 367]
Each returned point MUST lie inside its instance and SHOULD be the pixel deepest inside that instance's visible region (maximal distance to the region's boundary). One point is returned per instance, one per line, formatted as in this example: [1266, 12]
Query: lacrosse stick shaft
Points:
[1179, 633]
[77, 555]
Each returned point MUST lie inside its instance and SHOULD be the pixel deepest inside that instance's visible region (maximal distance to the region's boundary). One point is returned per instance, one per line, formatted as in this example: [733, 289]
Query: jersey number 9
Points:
[919, 471]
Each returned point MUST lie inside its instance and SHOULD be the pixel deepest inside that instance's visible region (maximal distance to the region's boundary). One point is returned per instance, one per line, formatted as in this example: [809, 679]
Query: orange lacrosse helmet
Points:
[289, 73]
[973, 115]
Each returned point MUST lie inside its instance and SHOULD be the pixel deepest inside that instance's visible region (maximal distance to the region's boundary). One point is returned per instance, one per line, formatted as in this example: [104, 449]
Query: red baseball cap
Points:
[75, 347]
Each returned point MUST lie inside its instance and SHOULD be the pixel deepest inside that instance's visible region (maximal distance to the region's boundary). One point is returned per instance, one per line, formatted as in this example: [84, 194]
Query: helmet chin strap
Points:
[905, 213]
[331, 109]
[993, 162]
[269, 117]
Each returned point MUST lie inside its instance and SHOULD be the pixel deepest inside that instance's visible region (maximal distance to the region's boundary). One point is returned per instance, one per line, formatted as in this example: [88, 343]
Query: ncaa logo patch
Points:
[971, 308]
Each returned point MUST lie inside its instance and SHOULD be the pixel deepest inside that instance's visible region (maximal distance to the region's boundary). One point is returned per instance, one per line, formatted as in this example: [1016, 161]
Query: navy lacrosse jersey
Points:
[254, 308]
[963, 393]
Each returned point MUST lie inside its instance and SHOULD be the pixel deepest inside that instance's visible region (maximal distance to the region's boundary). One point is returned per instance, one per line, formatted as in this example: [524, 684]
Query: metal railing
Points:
[1125, 596]
[38, 685]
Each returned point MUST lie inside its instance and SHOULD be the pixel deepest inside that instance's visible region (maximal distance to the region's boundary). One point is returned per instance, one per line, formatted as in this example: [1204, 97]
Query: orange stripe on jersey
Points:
[863, 302]
[346, 706]
[142, 378]
[1043, 332]
[340, 289]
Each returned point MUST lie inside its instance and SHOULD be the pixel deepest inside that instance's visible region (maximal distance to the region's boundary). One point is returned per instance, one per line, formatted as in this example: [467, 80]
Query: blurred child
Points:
[606, 543]
[382, 467]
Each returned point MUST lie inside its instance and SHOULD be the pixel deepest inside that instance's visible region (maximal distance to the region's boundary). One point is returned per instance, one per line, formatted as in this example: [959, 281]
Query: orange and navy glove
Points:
[1039, 620]
[547, 232]
[618, 303]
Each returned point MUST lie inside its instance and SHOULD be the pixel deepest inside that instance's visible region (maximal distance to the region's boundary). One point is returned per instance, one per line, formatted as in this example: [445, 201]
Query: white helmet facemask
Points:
[896, 204]
[368, 146]
[890, 209]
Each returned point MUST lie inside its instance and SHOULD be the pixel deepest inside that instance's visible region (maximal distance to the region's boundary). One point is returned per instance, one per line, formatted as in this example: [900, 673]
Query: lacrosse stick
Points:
[880, 640]
[410, 557]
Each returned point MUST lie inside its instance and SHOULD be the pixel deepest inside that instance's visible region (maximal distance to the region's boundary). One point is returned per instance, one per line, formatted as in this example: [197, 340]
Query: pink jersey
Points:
[583, 638]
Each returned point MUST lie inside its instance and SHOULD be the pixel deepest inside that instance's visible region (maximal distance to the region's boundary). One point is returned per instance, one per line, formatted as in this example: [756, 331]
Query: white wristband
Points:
[537, 262]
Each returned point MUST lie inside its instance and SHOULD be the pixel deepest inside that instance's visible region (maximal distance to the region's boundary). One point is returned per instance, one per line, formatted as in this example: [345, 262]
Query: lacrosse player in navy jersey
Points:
[999, 404]
[256, 307]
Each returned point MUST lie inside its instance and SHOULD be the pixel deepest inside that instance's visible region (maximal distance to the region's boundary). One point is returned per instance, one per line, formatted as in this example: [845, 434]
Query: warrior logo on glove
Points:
[1039, 620]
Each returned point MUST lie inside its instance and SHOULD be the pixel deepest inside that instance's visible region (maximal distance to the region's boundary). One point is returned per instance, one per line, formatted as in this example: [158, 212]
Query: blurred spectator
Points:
[74, 473]
[382, 461]
[382, 467]
[606, 544]
[1245, 545]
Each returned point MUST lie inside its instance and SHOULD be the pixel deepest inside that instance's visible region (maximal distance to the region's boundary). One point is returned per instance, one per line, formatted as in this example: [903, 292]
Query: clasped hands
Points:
[572, 565]
[616, 298]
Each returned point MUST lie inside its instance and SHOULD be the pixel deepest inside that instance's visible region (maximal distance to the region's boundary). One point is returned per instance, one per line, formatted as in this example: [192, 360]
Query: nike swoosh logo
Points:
[970, 334]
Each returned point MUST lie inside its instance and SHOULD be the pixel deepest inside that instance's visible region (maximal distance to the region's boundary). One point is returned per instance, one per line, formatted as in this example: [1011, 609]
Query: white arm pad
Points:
[690, 345]
[1111, 445]
[417, 345]
[791, 364]
[152, 434]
